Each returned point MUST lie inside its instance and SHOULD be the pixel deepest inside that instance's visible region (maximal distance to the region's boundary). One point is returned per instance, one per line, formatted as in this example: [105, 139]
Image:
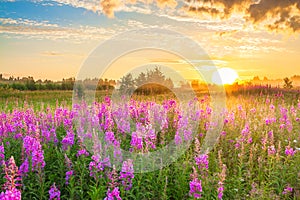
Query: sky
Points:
[53, 39]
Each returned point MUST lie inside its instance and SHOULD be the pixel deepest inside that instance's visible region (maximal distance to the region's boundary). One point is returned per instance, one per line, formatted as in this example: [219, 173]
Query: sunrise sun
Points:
[224, 76]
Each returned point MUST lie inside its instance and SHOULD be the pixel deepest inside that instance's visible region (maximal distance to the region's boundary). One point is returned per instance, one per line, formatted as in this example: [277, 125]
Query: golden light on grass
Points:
[224, 76]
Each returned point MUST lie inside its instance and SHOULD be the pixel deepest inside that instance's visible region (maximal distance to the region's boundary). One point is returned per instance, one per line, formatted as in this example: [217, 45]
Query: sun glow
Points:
[224, 76]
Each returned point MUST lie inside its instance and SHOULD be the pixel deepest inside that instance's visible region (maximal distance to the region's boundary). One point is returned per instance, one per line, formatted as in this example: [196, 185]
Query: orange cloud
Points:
[285, 13]
[108, 7]
[276, 15]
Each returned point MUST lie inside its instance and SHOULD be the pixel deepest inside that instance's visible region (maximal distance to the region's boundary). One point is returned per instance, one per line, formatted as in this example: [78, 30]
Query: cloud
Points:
[108, 7]
[26, 22]
[285, 14]
[19, 28]
[275, 15]
[166, 3]
[216, 8]
[51, 53]
[226, 33]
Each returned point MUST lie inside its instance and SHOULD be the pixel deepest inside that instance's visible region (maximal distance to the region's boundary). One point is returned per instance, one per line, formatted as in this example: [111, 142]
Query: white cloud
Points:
[18, 28]
[26, 22]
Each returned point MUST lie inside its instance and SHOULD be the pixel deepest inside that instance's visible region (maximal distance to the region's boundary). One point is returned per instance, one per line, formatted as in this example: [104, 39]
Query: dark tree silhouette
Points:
[287, 83]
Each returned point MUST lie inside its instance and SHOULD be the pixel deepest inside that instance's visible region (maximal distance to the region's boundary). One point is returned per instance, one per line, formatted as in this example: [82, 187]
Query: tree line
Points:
[28, 83]
[152, 81]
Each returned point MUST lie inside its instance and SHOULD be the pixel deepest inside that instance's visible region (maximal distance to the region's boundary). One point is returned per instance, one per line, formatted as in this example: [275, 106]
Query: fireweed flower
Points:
[178, 138]
[24, 168]
[143, 134]
[270, 120]
[136, 140]
[222, 177]
[182, 130]
[38, 158]
[109, 137]
[54, 192]
[97, 165]
[195, 185]
[68, 162]
[121, 115]
[223, 133]
[287, 190]
[220, 190]
[68, 140]
[82, 152]
[271, 136]
[33, 149]
[282, 126]
[289, 151]
[112, 194]
[112, 142]
[113, 189]
[246, 130]
[69, 174]
[202, 161]
[127, 174]
[195, 188]
[70, 171]
[187, 134]
[271, 150]
[2, 154]
[13, 194]
[12, 177]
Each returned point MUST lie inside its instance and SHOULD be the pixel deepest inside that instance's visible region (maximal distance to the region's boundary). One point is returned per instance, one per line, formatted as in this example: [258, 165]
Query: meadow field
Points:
[44, 156]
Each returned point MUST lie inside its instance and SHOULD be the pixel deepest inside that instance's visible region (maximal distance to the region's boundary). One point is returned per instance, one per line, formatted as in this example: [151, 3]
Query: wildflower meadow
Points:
[44, 151]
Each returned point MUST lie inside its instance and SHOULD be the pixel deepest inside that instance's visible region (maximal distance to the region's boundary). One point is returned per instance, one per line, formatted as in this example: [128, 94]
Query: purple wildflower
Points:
[220, 190]
[127, 174]
[33, 149]
[113, 190]
[187, 134]
[69, 174]
[195, 185]
[12, 177]
[111, 195]
[223, 133]
[68, 162]
[195, 188]
[289, 151]
[178, 138]
[13, 194]
[24, 168]
[136, 141]
[2, 154]
[271, 150]
[68, 140]
[109, 137]
[97, 165]
[54, 192]
[287, 190]
[82, 152]
[222, 177]
[202, 161]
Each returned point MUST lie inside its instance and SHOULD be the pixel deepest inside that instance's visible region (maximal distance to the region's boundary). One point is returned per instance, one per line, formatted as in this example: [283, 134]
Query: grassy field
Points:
[256, 157]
